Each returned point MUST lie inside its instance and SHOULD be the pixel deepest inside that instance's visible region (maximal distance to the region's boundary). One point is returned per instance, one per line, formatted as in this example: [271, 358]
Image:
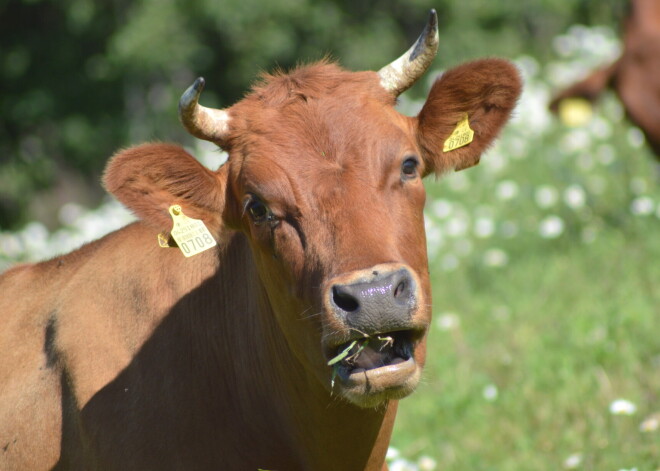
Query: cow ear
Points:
[150, 178]
[486, 91]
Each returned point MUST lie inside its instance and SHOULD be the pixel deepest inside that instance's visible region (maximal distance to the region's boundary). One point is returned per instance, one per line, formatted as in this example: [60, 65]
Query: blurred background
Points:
[544, 352]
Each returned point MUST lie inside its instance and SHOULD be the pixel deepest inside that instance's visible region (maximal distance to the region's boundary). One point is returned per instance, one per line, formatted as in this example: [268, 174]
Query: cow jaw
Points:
[376, 368]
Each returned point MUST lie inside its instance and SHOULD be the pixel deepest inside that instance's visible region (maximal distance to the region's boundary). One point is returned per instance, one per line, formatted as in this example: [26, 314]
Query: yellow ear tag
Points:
[461, 136]
[191, 235]
[164, 240]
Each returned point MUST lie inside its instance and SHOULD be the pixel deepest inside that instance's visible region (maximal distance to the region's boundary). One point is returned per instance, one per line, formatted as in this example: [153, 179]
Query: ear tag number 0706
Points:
[191, 235]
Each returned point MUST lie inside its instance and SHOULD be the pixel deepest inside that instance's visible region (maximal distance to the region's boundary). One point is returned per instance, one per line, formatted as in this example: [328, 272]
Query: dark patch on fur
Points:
[49, 341]
[6, 447]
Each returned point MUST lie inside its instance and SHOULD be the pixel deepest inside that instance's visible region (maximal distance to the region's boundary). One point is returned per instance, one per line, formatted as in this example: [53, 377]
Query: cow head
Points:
[324, 178]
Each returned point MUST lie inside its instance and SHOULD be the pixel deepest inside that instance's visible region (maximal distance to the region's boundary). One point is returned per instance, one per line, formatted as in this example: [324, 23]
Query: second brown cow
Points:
[635, 75]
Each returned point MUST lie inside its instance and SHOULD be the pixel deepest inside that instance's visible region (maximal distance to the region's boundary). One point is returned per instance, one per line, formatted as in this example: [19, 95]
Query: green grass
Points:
[560, 334]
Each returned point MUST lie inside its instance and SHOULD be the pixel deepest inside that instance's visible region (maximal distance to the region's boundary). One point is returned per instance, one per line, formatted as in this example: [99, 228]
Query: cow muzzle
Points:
[377, 322]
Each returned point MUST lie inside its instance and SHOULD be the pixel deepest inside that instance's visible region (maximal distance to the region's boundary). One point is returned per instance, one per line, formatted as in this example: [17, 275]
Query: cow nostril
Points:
[400, 289]
[344, 300]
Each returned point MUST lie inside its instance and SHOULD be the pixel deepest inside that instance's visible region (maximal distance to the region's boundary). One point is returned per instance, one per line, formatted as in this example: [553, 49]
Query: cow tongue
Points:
[374, 354]
[370, 358]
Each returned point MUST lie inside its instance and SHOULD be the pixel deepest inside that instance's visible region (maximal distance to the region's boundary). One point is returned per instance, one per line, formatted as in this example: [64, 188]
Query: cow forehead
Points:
[320, 110]
[324, 136]
[322, 151]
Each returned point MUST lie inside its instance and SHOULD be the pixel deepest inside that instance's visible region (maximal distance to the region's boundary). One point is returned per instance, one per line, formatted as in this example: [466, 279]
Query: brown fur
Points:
[635, 75]
[124, 355]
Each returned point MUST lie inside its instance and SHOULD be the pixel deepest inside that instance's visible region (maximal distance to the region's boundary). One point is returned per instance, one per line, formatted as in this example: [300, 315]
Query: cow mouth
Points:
[368, 353]
[377, 367]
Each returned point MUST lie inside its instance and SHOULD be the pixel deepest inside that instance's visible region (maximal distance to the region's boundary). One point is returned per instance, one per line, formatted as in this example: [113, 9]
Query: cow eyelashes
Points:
[258, 211]
[409, 168]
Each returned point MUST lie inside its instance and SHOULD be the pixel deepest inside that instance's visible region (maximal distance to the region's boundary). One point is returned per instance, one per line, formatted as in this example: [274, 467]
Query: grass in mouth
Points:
[346, 354]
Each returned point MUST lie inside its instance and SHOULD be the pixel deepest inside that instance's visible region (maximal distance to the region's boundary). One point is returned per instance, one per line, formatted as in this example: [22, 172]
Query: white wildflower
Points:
[642, 206]
[575, 140]
[484, 227]
[575, 197]
[622, 407]
[35, 239]
[600, 128]
[69, 213]
[495, 258]
[392, 453]
[650, 424]
[448, 321]
[402, 465]
[434, 241]
[495, 161]
[564, 45]
[456, 226]
[546, 196]
[551, 227]
[573, 461]
[635, 138]
[426, 463]
[10, 245]
[442, 209]
[490, 392]
[528, 65]
[506, 190]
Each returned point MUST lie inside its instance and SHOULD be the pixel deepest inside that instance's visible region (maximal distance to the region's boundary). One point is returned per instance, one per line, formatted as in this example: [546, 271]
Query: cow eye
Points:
[258, 211]
[409, 167]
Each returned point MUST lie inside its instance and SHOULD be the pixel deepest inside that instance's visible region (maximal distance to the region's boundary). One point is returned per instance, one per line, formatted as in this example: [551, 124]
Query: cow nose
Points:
[382, 304]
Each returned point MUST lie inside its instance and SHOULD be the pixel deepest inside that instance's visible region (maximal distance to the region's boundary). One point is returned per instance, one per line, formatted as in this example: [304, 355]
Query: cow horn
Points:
[205, 123]
[400, 75]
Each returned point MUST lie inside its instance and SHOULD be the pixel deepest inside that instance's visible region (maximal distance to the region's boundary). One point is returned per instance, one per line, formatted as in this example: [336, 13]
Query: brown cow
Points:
[635, 75]
[124, 355]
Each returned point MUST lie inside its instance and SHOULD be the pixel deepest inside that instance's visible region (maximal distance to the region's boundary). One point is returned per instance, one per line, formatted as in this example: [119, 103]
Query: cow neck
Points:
[336, 434]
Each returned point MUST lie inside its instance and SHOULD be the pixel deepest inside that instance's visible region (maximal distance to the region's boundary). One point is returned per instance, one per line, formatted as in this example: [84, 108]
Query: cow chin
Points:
[371, 388]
